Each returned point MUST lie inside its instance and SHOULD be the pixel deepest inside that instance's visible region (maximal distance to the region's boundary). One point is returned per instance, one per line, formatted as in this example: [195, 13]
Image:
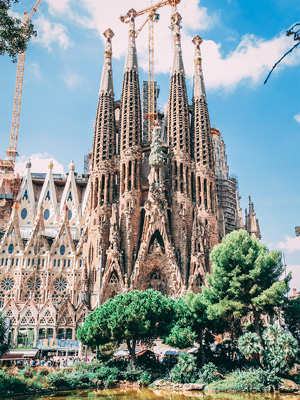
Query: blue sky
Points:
[242, 40]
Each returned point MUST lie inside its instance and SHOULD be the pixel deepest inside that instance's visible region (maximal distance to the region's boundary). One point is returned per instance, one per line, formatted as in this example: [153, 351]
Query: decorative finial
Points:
[108, 33]
[28, 164]
[50, 166]
[65, 208]
[71, 166]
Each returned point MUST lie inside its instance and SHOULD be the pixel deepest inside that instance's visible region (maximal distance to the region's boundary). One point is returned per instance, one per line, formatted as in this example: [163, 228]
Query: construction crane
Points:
[8, 165]
[151, 116]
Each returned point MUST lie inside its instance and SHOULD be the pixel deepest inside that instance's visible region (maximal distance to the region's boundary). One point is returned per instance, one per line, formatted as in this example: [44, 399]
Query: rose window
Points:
[7, 284]
[60, 284]
[34, 283]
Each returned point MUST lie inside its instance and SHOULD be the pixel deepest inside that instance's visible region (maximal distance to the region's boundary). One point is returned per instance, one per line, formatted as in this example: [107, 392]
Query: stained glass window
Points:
[60, 284]
[24, 213]
[36, 285]
[62, 250]
[11, 248]
[46, 214]
[7, 283]
[69, 215]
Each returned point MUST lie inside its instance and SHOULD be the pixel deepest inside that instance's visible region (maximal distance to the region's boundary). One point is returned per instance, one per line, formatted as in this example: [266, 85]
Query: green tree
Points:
[276, 351]
[4, 336]
[128, 317]
[245, 281]
[291, 311]
[13, 35]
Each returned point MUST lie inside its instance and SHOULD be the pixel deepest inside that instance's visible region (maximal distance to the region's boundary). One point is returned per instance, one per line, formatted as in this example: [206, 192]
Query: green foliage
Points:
[245, 280]
[146, 378]
[13, 35]
[255, 380]
[11, 385]
[58, 379]
[132, 373]
[128, 317]
[208, 373]
[292, 316]
[249, 344]
[280, 348]
[4, 337]
[181, 337]
[107, 373]
[185, 371]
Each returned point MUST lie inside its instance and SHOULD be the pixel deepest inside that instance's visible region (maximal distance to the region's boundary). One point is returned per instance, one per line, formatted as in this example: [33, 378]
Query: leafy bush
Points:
[107, 374]
[11, 385]
[280, 349]
[208, 373]
[255, 380]
[132, 373]
[146, 378]
[185, 371]
[58, 379]
[249, 344]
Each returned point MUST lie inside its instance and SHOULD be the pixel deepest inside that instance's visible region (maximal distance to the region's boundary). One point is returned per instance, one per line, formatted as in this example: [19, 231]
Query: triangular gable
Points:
[64, 227]
[12, 306]
[26, 191]
[39, 227]
[85, 202]
[66, 312]
[29, 306]
[70, 194]
[82, 237]
[13, 226]
[48, 191]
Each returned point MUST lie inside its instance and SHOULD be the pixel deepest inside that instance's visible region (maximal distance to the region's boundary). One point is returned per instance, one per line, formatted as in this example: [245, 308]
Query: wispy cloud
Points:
[35, 70]
[297, 118]
[50, 33]
[248, 64]
[40, 163]
[289, 244]
[71, 79]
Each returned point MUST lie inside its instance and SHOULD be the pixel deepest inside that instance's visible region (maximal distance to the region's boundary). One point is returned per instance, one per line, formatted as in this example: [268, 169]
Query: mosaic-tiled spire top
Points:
[178, 112]
[201, 131]
[177, 61]
[107, 77]
[130, 117]
[131, 56]
[104, 137]
[199, 88]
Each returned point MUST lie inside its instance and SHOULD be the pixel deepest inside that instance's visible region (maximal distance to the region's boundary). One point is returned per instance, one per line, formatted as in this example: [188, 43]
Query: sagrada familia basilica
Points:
[147, 214]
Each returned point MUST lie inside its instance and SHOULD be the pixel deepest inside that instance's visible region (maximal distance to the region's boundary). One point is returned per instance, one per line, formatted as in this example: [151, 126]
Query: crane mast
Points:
[9, 164]
[153, 17]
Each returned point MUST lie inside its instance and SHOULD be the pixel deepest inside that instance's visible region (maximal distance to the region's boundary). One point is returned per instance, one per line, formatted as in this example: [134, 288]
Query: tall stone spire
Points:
[104, 135]
[205, 181]
[179, 155]
[102, 173]
[252, 225]
[130, 152]
[178, 112]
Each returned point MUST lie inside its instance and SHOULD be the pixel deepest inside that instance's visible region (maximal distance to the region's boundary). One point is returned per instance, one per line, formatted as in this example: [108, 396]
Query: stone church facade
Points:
[146, 216]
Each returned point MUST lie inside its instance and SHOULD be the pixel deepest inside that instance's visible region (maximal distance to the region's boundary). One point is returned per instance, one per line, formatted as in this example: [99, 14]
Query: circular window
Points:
[34, 284]
[60, 284]
[70, 215]
[7, 283]
[24, 213]
[62, 250]
[11, 248]
[46, 214]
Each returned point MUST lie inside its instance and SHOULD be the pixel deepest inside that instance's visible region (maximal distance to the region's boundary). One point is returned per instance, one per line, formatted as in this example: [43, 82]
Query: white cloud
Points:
[289, 244]
[35, 70]
[71, 79]
[49, 33]
[249, 63]
[40, 163]
[295, 281]
[297, 117]
[58, 6]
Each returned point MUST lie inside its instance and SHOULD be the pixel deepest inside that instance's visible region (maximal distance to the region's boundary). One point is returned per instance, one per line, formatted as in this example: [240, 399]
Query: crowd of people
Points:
[54, 362]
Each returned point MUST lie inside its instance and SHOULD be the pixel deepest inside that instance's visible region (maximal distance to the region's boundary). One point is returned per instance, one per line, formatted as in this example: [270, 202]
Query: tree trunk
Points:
[131, 349]
[256, 321]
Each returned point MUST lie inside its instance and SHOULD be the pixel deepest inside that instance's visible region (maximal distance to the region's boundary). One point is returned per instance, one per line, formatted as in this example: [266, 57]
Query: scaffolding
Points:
[145, 107]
